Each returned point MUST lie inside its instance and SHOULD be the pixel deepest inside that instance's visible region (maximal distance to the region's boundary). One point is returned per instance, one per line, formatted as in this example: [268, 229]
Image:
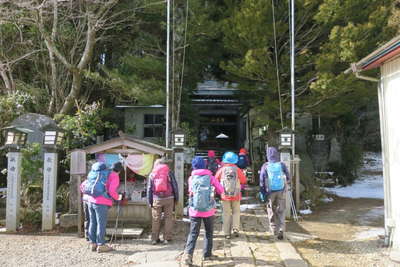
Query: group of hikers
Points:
[209, 176]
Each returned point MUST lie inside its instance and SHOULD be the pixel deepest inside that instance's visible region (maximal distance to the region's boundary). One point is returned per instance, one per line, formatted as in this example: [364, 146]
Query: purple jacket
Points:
[272, 156]
[214, 182]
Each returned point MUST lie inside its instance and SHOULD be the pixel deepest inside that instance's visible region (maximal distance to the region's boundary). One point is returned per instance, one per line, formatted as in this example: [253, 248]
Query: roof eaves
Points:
[367, 62]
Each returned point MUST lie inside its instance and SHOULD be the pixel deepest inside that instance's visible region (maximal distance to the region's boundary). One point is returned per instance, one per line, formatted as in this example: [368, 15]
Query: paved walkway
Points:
[254, 247]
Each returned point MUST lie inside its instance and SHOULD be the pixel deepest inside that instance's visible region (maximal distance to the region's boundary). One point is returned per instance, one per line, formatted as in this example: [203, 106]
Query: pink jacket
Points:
[111, 187]
[214, 182]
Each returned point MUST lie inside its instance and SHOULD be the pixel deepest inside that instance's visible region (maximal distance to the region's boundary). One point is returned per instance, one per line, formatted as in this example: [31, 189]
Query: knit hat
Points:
[198, 163]
[117, 166]
[211, 153]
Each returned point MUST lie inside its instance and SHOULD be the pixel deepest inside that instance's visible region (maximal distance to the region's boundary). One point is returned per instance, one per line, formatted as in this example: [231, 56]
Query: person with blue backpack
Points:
[100, 188]
[201, 208]
[274, 184]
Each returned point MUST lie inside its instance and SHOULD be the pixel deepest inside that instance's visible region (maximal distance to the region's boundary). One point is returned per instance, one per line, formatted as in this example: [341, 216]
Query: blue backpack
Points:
[242, 162]
[202, 199]
[276, 177]
[96, 181]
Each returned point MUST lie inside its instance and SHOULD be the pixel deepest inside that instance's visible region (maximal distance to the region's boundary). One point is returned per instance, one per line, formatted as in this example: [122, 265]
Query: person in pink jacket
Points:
[201, 208]
[98, 206]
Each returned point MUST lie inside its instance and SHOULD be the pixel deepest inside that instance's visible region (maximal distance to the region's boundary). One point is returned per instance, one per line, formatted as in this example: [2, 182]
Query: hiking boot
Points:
[166, 242]
[187, 259]
[235, 232]
[280, 235]
[155, 242]
[93, 246]
[104, 248]
[210, 258]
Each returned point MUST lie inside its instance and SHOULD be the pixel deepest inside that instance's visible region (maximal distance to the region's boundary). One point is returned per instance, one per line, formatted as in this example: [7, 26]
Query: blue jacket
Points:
[272, 156]
[150, 189]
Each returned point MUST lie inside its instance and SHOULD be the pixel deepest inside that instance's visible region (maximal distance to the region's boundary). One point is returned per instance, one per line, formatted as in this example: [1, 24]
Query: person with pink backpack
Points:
[162, 194]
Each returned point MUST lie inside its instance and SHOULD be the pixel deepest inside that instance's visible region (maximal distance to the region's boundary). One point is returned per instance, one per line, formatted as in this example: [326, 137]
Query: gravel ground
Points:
[66, 249]
[347, 233]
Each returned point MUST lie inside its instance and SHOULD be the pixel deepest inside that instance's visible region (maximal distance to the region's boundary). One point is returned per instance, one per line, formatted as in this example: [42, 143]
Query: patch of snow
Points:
[247, 198]
[371, 187]
[307, 201]
[244, 207]
[327, 199]
[370, 233]
[298, 237]
[369, 184]
[305, 212]
[186, 220]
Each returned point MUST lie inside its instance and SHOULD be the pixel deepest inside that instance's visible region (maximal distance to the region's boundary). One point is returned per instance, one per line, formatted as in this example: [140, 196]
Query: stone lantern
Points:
[52, 140]
[15, 139]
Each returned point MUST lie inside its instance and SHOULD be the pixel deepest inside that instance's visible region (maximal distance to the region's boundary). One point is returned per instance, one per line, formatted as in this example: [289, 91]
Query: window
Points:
[154, 125]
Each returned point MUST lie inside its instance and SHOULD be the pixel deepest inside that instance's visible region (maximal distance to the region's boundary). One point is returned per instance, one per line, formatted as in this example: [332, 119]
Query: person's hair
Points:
[117, 167]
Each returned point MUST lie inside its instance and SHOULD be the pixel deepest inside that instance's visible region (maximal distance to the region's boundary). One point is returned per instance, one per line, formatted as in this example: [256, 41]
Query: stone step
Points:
[126, 232]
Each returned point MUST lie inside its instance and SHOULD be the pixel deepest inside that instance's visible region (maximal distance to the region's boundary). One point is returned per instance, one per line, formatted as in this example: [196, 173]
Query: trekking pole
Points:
[295, 217]
[114, 235]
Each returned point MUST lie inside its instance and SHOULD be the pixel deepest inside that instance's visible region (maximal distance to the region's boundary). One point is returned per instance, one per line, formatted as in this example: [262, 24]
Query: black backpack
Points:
[212, 165]
[242, 162]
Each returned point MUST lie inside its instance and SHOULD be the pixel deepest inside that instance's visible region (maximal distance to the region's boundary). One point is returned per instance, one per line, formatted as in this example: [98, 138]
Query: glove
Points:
[122, 201]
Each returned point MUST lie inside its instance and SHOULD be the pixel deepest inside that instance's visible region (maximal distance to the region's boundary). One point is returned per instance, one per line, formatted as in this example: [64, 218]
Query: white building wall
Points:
[390, 124]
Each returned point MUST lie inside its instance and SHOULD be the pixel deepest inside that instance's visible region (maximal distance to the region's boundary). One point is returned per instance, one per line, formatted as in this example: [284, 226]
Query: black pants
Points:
[195, 224]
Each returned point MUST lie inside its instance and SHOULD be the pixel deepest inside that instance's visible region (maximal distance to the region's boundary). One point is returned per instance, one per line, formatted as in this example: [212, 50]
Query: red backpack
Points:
[160, 178]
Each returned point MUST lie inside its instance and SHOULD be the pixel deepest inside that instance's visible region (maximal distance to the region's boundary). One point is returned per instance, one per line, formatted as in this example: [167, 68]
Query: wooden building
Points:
[387, 59]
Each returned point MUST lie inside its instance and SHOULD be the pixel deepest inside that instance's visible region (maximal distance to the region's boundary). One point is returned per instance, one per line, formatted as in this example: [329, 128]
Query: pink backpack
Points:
[160, 178]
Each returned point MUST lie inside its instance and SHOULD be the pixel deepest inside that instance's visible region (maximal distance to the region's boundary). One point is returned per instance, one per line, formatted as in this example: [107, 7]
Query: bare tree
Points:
[70, 31]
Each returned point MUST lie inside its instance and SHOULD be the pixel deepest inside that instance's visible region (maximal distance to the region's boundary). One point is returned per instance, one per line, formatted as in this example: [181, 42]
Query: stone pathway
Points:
[254, 246]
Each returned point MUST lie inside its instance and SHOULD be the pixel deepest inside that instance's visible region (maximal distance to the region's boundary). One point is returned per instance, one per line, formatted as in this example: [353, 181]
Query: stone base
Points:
[395, 255]
[69, 220]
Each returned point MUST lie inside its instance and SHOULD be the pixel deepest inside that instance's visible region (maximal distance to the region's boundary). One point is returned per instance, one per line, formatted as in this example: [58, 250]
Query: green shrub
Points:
[62, 199]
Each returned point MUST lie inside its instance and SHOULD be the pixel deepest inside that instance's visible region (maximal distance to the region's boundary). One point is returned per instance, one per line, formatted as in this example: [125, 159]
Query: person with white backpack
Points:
[202, 184]
[162, 194]
[274, 183]
[231, 178]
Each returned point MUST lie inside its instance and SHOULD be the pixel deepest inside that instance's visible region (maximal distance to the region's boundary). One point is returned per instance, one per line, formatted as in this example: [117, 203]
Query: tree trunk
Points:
[74, 94]
[53, 79]
[7, 77]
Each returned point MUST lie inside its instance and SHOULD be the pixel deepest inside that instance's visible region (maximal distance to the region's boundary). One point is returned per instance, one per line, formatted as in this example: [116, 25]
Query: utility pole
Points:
[167, 76]
[292, 78]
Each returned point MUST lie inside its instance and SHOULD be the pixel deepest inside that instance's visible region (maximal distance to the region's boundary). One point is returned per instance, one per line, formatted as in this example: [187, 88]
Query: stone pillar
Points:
[179, 175]
[296, 174]
[49, 190]
[13, 190]
[285, 158]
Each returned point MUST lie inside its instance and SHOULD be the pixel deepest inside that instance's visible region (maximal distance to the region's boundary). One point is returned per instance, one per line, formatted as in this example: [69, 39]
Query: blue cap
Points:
[230, 157]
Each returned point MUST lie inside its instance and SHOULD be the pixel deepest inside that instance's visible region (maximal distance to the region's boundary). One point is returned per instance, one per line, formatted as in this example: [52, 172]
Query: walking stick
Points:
[114, 235]
[294, 211]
